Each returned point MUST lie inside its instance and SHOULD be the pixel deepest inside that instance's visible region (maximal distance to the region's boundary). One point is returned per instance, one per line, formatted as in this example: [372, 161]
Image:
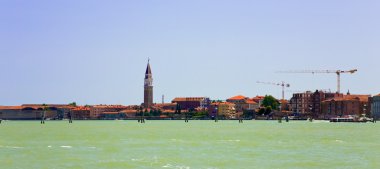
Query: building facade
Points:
[227, 110]
[148, 87]
[96, 111]
[258, 99]
[346, 105]
[186, 103]
[243, 103]
[375, 106]
[310, 102]
[222, 110]
[80, 113]
[28, 112]
[300, 103]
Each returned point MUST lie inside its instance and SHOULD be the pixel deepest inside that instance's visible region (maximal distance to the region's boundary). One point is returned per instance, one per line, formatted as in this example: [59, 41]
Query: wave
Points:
[66, 147]
[12, 147]
[176, 166]
[229, 140]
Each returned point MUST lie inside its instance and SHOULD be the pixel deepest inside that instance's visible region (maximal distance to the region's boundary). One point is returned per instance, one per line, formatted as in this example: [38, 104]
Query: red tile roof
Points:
[164, 104]
[78, 108]
[129, 111]
[363, 98]
[182, 99]
[259, 97]
[109, 106]
[11, 107]
[227, 103]
[168, 111]
[250, 102]
[238, 97]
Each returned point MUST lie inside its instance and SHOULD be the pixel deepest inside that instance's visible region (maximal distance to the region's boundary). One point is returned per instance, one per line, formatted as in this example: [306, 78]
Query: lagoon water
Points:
[197, 144]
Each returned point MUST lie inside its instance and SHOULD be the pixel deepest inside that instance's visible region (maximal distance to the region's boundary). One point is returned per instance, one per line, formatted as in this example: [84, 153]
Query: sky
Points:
[96, 51]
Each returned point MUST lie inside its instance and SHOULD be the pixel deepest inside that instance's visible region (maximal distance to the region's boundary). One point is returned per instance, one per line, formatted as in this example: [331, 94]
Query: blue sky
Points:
[95, 52]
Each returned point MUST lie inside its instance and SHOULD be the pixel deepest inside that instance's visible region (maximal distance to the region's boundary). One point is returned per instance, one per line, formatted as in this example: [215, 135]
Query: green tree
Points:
[268, 110]
[261, 111]
[248, 113]
[271, 102]
[156, 112]
[199, 114]
[74, 104]
[151, 112]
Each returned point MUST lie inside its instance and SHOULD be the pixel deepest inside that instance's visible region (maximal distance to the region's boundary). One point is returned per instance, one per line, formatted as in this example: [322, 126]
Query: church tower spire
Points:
[148, 87]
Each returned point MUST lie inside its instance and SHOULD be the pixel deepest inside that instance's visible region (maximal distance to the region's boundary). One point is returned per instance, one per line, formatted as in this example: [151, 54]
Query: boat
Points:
[342, 119]
[351, 118]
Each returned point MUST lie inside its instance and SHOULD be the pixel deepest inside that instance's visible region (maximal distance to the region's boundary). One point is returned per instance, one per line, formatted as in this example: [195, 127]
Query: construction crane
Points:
[303, 91]
[337, 72]
[282, 84]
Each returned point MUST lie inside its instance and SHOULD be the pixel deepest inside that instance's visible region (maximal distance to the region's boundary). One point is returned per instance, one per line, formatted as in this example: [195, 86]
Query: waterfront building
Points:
[243, 103]
[62, 109]
[80, 113]
[375, 106]
[97, 110]
[186, 103]
[346, 105]
[222, 110]
[227, 110]
[130, 113]
[310, 102]
[17, 113]
[300, 103]
[148, 87]
[165, 106]
[258, 99]
[284, 105]
[112, 115]
[316, 101]
[27, 113]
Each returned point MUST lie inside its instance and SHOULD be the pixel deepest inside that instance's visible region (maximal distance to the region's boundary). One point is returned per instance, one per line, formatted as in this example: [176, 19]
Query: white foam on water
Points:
[135, 159]
[175, 166]
[176, 140]
[321, 121]
[229, 140]
[49, 146]
[12, 147]
[167, 166]
[110, 160]
[339, 141]
[92, 147]
[66, 147]
[15, 147]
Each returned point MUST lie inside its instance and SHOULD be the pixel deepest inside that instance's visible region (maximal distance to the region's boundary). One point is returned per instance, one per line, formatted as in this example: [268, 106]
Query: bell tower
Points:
[148, 87]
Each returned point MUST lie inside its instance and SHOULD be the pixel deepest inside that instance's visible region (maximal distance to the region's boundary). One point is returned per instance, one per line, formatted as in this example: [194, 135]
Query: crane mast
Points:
[282, 84]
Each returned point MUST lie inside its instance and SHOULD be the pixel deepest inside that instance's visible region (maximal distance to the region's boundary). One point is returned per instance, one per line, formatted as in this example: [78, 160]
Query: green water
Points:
[197, 144]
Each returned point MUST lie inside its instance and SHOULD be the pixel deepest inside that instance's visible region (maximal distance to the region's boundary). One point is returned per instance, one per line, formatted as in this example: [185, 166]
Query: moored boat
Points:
[351, 118]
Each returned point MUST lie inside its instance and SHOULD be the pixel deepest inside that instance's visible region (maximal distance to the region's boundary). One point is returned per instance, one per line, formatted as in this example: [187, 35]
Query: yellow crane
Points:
[282, 84]
[337, 72]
